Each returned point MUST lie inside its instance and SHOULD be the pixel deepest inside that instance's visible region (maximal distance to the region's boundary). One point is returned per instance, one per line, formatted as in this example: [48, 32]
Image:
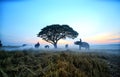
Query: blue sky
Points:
[96, 21]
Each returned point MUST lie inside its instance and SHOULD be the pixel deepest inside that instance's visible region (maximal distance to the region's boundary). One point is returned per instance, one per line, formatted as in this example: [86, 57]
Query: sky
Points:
[96, 21]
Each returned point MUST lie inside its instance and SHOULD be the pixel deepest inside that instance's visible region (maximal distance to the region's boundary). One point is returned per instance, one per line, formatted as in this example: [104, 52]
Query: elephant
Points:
[82, 44]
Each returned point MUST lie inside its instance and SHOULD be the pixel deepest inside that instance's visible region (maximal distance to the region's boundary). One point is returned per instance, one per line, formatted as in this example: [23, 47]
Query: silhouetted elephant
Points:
[82, 44]
[37, 45]
[66, 46]
[46, 46]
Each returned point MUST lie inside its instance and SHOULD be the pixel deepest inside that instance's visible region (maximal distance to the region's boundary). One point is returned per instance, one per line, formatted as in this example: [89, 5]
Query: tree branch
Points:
[49, 41]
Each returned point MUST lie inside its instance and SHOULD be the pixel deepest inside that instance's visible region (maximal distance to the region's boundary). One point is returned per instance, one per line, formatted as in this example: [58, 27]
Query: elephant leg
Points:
[79, 47]
[87, 48]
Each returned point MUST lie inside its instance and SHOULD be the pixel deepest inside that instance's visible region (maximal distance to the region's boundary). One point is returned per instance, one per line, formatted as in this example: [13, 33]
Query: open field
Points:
[59, 63]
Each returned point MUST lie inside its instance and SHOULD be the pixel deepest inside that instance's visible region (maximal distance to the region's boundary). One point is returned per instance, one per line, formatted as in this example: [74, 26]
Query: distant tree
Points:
[0, 43]
[53, 33]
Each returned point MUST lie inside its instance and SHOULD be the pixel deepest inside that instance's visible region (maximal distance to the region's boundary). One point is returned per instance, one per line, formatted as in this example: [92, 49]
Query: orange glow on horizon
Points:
[35, 40]
[104, 38]
[101, 38]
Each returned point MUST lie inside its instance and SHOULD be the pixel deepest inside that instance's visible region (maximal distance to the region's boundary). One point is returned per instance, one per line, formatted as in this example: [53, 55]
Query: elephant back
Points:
[85, 44]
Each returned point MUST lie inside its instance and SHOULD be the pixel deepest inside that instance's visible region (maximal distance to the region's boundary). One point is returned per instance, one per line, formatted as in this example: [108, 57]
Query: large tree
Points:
[53, 33]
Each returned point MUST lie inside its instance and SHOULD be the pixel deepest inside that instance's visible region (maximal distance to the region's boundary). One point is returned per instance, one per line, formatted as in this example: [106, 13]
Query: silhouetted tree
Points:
[0, 44]
[53, 33]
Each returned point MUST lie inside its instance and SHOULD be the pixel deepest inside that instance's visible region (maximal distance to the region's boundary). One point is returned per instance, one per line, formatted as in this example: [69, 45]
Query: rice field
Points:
[64, 63]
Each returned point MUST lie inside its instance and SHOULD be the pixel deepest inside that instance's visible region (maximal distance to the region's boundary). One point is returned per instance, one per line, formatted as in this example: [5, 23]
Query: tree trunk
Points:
[55, 45]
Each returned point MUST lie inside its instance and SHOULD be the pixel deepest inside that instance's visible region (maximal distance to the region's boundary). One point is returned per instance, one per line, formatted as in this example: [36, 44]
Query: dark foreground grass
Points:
[29, 63]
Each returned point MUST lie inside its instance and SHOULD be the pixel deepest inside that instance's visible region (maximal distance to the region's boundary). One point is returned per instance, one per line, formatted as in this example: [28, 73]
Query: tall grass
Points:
[30, 63]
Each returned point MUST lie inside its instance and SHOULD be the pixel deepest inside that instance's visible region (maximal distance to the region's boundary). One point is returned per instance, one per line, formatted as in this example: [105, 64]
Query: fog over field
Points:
[93, 48]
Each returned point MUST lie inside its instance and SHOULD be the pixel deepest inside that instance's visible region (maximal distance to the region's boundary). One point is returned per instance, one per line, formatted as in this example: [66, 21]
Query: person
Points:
[80, 40]
[37, 45]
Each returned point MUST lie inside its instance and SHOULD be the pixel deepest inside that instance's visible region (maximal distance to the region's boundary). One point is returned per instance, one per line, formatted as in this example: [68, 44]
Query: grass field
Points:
[66, 63]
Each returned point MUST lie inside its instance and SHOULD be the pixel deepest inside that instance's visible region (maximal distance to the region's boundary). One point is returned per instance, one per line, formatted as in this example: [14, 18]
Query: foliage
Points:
[53, 33]
[53, 64]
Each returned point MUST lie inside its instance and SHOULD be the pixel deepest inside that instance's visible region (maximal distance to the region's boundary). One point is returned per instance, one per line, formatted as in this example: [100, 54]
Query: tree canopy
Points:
[53, 33]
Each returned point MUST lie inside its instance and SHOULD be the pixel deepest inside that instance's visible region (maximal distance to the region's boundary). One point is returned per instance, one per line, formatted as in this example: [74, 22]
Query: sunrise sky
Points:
[96, 21]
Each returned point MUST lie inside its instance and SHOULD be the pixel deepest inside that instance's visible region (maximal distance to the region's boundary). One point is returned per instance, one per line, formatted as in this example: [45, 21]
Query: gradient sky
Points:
[96, 21]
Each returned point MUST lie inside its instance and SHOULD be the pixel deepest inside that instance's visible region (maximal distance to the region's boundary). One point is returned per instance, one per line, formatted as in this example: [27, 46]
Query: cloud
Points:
[115, 39]
[104, 38]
